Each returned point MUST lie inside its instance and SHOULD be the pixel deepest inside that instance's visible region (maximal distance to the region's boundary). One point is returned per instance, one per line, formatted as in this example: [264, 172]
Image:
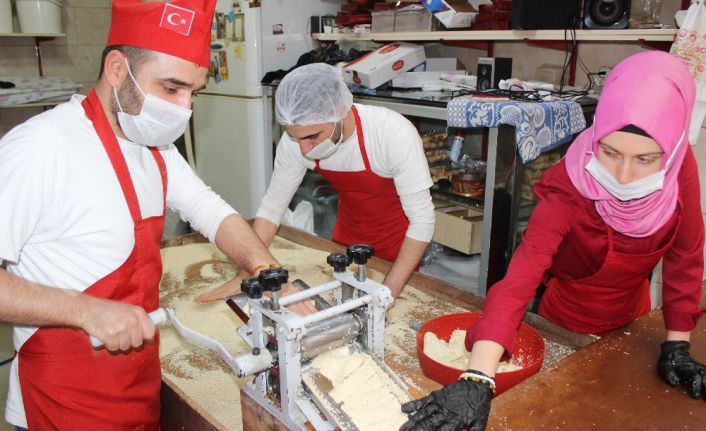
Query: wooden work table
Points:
[611, 384]
[179, 412]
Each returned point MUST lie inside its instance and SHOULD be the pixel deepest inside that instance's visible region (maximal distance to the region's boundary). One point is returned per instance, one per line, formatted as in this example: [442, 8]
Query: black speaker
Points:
[315, 24]
[545, 14]
[606, 14]
[491, 70]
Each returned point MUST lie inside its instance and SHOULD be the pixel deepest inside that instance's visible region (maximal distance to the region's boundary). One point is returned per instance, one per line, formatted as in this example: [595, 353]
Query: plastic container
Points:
[456, 146]
[529, 351]
[39, 16]
[5, 16]
[413, 20]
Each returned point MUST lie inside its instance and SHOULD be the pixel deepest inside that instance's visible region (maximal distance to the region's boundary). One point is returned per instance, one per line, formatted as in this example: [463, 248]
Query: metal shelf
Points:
[648, 35]
[32, 34]
[404, 107]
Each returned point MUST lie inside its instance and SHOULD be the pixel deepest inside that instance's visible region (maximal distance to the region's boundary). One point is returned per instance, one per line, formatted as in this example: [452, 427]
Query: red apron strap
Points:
[94, 111]
[361, 138]
[162, 173]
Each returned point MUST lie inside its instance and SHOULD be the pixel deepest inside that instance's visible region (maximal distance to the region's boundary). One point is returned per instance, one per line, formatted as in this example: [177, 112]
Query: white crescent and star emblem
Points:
[177, 19]
[173, 16]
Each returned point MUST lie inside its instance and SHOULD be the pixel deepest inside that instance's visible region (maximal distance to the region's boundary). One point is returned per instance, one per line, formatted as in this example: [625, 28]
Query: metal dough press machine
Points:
[282, 342]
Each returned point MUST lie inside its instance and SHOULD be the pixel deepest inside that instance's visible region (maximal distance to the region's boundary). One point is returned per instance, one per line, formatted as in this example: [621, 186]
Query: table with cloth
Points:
[538, 127]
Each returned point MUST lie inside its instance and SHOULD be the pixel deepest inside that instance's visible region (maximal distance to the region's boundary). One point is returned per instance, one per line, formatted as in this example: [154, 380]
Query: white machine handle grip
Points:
[158, 316]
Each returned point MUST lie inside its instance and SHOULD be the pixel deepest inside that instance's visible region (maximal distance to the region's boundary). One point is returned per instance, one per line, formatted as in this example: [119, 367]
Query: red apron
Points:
[66, 385]
[369, 208]
[614, 296]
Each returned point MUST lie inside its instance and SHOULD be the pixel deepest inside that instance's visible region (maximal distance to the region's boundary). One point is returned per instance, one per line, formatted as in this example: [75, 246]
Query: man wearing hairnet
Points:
[371, 155]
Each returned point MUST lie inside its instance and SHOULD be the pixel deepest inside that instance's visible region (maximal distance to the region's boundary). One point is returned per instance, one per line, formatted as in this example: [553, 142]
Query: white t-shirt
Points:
[64, 221]
[394, 150]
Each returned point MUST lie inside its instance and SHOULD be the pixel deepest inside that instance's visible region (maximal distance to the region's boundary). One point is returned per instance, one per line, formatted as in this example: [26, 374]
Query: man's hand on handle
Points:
[464, 404]
[120, 326]
[676, 366]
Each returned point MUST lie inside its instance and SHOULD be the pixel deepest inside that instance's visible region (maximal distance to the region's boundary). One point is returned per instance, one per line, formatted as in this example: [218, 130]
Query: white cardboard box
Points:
[380, 66]
[452, 13]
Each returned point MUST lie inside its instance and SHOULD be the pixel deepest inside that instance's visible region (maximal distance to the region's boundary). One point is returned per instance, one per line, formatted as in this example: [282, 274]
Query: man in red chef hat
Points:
[85, 187]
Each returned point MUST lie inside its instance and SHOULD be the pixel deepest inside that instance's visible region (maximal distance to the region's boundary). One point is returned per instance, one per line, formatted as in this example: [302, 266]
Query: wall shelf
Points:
[32, 34]
[649, 35]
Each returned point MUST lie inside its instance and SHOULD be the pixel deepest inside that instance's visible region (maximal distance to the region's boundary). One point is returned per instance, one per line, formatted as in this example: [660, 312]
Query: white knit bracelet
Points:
[479, 378]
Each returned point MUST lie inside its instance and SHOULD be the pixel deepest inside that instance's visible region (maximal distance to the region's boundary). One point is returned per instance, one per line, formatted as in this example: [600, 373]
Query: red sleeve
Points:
[683, 264]
[507, 300]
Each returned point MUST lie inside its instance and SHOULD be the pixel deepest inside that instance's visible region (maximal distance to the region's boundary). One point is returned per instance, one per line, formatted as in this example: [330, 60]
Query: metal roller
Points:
[330, 333]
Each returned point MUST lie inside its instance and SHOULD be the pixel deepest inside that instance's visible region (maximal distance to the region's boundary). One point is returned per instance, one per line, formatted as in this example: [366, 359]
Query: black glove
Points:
[460, 405]
[676, 366]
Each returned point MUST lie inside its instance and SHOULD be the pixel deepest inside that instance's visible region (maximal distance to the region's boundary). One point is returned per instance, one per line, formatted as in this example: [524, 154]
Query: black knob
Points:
[251, 287]
[273, 279]
[360, 253]
[339, 261]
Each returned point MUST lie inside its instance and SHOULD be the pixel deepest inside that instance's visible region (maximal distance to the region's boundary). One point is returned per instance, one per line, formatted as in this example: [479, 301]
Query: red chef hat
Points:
[181, 28]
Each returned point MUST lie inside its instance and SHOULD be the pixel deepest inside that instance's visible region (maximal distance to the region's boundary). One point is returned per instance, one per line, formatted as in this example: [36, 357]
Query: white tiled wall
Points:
[76, 56]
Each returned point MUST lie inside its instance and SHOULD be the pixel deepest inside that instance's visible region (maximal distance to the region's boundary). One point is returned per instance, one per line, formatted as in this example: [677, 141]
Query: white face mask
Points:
[326, 148]
[158, 123]
[635, 189]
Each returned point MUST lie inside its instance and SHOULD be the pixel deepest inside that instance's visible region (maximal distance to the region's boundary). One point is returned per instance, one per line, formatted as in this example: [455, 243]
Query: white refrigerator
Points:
[233, 117]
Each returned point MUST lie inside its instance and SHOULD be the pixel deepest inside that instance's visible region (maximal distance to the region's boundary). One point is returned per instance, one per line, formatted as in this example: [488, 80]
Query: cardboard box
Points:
[459, 228]
[452, 13]
[380, 66]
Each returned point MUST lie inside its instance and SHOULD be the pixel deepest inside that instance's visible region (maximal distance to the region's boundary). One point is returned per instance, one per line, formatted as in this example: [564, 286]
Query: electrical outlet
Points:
[603, 70]
[599, 78]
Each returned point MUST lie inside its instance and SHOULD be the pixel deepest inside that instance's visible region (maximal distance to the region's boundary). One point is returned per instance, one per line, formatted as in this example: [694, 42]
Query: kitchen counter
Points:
[608, 385]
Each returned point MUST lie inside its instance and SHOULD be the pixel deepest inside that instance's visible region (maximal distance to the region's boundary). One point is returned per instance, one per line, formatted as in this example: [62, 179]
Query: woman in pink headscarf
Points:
[625, 196]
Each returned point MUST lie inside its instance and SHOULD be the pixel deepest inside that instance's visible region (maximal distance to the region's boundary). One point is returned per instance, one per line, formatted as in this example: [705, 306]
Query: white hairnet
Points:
[312, 94]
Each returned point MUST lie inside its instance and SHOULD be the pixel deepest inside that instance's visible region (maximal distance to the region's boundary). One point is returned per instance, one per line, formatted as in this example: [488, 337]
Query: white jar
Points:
[39, 16]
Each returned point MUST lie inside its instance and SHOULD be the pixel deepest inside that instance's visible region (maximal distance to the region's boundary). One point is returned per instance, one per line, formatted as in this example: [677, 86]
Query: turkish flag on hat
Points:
[181, 28]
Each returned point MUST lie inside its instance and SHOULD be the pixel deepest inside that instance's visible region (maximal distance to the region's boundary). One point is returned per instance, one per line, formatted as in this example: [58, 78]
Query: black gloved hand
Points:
[463, 404]
[676, 366]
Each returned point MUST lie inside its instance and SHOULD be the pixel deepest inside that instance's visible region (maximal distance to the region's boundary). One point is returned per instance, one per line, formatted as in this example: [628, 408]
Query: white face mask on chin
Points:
[326, 148]
[634, 189]
[158, 123]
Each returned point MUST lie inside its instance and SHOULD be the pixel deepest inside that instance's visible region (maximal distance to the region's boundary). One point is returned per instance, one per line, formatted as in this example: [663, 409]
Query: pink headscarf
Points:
[654, 91]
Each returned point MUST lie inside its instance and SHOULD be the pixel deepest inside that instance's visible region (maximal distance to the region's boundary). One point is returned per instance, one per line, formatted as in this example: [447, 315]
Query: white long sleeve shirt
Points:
[394, 150]
[64, 221]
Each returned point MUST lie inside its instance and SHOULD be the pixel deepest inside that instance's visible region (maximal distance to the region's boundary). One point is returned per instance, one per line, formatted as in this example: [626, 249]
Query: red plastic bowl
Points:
[529, 351]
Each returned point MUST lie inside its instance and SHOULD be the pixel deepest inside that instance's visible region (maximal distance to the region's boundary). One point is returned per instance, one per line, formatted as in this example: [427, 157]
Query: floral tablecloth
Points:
[31, 89]
[539, 127]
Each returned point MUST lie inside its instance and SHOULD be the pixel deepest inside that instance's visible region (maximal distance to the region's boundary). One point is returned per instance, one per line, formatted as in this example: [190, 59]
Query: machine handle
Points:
[158, 316]
[360, 253]
[339, 261]
[251, 287]
[272, 279]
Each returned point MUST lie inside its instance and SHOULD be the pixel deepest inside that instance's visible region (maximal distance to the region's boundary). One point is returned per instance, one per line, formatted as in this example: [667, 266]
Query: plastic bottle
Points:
[457, 145]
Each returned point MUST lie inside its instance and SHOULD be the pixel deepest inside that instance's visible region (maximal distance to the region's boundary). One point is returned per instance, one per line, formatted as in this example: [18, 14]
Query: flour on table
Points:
[364, 391]
[454, 354]
[192, 269]
[203, 376]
